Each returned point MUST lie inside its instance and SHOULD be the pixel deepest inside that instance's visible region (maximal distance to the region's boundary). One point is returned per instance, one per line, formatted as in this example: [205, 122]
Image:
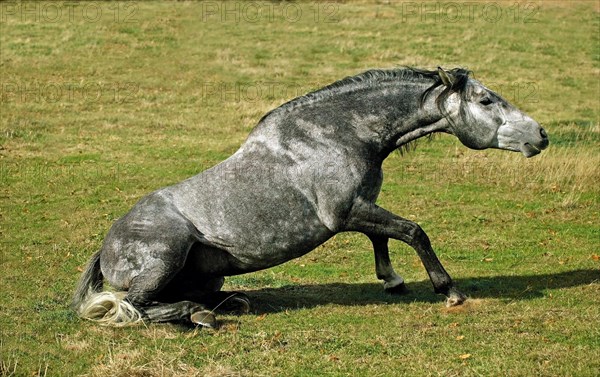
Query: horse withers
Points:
[310, 169]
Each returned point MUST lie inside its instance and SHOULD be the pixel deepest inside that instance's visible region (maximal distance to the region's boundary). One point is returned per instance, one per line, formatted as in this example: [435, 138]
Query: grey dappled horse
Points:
[311, 168]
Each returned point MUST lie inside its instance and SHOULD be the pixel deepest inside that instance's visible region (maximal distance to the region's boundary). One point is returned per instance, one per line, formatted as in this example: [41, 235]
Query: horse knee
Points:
[417, 236]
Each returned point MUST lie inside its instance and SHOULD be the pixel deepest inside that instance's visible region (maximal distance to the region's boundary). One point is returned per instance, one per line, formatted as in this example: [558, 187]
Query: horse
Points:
[311, 168]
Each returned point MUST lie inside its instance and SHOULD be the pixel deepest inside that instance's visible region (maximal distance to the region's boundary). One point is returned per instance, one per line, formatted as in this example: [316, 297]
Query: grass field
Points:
[103, 102]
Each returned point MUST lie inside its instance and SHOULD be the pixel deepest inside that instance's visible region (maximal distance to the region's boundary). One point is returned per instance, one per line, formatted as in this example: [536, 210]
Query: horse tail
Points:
[104, 307]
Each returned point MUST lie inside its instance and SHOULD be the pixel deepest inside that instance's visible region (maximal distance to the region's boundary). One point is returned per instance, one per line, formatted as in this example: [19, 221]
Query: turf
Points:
[103, 102]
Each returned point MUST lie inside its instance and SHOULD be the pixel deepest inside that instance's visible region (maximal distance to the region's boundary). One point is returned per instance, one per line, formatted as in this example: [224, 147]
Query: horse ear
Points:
[446, 77]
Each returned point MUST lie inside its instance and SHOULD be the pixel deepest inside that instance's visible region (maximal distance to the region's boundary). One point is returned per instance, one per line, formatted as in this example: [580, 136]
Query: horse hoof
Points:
[236, 302]
[242, 303]
[204, 318]
[399, 289]
[455, 298]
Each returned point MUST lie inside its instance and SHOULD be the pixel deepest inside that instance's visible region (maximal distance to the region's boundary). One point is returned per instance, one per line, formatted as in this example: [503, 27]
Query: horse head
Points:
[480, 118]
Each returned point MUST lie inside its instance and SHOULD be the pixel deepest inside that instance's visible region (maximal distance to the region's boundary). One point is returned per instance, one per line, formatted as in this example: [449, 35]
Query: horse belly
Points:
[277, 250]
[283, 235]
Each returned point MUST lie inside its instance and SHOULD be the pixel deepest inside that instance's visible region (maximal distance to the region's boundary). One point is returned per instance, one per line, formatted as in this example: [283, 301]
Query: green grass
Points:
[96, 114]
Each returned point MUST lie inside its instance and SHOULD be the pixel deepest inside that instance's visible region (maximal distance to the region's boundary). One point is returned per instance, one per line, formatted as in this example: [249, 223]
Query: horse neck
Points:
[392, 115]
[381, 116]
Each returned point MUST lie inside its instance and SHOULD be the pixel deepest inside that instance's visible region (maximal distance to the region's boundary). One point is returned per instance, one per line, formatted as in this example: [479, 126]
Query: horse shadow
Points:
[504, 287]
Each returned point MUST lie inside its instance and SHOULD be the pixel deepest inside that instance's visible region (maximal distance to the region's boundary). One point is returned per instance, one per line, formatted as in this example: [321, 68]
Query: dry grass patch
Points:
[141, 362]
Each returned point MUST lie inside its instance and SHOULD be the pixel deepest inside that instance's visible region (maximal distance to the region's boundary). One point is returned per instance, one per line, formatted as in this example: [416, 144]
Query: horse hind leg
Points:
[144, 294]
[182, 311]
[188, 285]
[147, 294]
[144, 263]
[198, 310]
[170, 289]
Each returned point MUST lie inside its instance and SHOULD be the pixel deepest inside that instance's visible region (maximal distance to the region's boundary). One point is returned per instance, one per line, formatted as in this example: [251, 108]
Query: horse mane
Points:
[352, 83]
[379, 76]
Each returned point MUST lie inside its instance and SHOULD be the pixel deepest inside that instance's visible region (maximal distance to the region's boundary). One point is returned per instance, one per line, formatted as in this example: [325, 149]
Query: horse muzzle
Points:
[530, 149]
[528, 138]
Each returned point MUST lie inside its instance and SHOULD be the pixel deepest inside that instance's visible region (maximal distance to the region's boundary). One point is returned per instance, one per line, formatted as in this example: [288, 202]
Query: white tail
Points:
[109, 308]
[106, 308]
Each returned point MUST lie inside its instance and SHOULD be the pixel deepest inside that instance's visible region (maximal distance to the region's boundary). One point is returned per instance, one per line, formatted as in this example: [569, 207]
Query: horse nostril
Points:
[543, 133]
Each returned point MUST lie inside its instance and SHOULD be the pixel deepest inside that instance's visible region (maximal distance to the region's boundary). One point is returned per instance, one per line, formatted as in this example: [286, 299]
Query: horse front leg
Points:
[371, 219]
[392, 282]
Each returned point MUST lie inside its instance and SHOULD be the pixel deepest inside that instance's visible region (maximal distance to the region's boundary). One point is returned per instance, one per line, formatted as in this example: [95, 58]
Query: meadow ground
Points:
[103, 102]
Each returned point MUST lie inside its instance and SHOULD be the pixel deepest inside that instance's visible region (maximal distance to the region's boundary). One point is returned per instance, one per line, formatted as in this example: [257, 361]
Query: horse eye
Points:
[486, 101]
